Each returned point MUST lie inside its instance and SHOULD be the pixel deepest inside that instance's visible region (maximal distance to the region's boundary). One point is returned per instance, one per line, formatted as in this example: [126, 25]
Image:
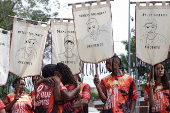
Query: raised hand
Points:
[16, 97]
[96, 80]
[152, 83]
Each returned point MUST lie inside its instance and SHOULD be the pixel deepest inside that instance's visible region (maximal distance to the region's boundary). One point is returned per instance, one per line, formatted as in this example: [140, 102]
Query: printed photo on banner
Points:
[27, 48]
[152, 33]
[4, 57]
[93, 26]
[64, 47]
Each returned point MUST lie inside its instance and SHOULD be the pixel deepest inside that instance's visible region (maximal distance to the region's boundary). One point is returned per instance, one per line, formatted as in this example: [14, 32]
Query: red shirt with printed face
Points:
[44, 99]
[1, 105]
[85, 94]
[23, 105]
[66, 105]
[160, 96]
[119, 90]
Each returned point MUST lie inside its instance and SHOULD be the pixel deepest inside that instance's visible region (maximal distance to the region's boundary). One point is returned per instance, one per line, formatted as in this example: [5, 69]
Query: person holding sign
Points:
[18, 102]
[2, 106]
[157, 90]
[81, 106]
[117, 91]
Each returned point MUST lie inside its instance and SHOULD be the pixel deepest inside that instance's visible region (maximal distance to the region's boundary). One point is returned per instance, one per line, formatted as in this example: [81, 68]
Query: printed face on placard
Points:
[150, 28]
[92, 28]
[30, 43]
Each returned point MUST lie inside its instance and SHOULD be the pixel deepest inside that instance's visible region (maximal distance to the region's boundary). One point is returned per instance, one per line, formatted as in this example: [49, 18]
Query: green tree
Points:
[37, 10]
[94, 96]
[143, 68]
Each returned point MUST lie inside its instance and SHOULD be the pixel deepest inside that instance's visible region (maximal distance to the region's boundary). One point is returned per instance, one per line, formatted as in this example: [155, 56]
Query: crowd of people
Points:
[59, 91]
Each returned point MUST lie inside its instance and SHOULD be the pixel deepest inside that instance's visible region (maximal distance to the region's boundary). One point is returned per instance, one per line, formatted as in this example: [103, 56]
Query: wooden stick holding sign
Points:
[154, 2]
[88, 2]
[27, 20]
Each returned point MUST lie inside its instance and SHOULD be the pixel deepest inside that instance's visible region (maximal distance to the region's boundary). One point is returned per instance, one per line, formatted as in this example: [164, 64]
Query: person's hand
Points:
[96, 80]
[17, 88]
[16, 97]
[152, 83]
[49, 79]
[56, 79]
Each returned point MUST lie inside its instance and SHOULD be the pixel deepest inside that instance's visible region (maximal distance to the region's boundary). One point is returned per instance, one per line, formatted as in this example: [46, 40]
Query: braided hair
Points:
[66, 74]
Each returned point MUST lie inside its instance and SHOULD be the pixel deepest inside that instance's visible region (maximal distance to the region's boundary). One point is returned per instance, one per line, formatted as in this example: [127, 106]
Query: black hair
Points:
[115, 58]
[16, 80]
[66, 74]
[48, 70]
[164, 79]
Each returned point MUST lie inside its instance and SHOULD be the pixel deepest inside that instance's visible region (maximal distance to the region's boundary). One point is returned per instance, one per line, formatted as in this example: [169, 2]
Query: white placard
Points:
[27, 48]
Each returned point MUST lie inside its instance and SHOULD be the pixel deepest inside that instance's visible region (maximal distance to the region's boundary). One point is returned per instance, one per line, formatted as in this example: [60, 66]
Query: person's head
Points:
[65, 74]
[160, 71]
[112, 64]
[92, 26]
[48, 70]
[69, 42]
[19, 83]
[150, 26]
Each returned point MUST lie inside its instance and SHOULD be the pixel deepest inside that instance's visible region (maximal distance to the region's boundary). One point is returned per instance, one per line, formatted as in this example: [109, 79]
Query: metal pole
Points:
[129, 36]
[136, 72]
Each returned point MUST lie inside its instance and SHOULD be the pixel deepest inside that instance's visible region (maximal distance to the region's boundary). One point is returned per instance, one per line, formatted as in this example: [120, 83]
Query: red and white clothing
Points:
[44, 99]
[160, 96]
[85, 94]
[23, 105]
[119, 90]
[1, 105]
[66, 105]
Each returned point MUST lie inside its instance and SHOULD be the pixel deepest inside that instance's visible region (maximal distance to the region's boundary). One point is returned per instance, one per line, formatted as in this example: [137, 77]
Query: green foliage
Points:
[142, 72]
[27, 91]
[37, 10]
[93, 96]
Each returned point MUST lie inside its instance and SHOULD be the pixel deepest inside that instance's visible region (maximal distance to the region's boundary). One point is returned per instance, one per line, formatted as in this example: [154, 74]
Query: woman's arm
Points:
[57, 93]
[80, 103]
[9, 106]
[70, 94]
[151, 96]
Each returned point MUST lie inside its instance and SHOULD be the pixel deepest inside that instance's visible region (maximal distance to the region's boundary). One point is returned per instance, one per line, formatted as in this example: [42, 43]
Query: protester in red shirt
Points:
[157, 90]
[117, 91]
[81, 105]
[53, 89]
[66, 77]
[18, 102]
[2, 106]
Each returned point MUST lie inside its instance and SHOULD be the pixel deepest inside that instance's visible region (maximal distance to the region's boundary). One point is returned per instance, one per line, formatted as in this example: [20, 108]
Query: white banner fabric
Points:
[93, 26]
[152, 33]
[4, 57]
[27, 48]
[64, 47]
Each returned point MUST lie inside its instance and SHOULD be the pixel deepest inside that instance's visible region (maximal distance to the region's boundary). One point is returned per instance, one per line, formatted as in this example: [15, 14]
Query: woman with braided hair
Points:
[66, 76]
[157, 90]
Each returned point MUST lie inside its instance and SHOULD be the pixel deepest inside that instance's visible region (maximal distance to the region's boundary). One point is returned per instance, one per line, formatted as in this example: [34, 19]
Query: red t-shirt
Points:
[1, 105]
[44, 100]
[23, 105]
[119, 90]
[66, 105]
[160, 96]
[85, 93]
